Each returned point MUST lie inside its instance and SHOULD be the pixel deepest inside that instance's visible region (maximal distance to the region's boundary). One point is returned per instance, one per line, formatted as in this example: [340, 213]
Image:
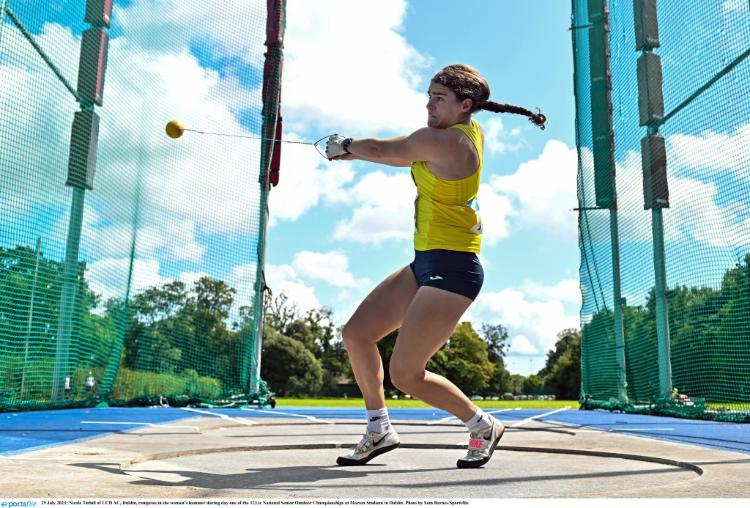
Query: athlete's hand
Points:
[336, 146]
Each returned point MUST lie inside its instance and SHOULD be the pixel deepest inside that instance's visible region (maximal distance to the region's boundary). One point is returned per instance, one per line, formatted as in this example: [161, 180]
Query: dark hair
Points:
[467, 83]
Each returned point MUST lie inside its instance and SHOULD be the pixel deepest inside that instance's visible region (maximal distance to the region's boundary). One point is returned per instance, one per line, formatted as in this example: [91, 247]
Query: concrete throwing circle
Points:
[416, 470]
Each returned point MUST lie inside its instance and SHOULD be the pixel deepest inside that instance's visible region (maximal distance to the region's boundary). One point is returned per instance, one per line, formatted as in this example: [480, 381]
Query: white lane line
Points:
[243, 421]
[527, 420]
[626, 429]
[451, 418]
[502, 410]
[195, 429]
[660, 439]
[80, 458]
[286, 414]
[592, 428]
[443, 420]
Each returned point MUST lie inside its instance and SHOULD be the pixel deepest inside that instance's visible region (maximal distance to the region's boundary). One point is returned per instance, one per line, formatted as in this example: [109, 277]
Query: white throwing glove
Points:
[337, 145]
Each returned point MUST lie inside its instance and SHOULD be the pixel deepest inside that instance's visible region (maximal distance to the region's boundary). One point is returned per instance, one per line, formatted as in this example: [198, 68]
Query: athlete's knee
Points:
[353, 334]
[404, 376]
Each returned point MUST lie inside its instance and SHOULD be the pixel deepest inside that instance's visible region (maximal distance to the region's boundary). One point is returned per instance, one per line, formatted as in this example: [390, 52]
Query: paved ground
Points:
[217, 455]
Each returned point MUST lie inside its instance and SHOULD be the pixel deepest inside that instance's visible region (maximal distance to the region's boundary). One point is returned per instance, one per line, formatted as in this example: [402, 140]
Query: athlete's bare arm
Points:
[427, 144]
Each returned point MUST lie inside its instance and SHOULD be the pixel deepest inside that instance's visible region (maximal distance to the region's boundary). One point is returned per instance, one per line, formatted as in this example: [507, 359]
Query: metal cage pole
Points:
[269, 166]
[654, 163]
[604, 166]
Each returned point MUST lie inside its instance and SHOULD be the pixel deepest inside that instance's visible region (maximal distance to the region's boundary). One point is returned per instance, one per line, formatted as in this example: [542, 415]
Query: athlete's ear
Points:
[466, 105]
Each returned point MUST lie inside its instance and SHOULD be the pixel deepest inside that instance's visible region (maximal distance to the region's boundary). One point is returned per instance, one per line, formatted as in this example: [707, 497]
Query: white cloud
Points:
[307, 271]
[329, 267]
[496, 212]
[108, 277]
[350, 69]
[711, 152]
[694, 212]
[31, 119]
[226, 28]
[102, 238]
[567, 290]
[284, 279]
[305, 179]
[533, 316]
[384, 209]
[497, 140]
[520, 345]
[543, 191]
[733, 7]
[195, 183]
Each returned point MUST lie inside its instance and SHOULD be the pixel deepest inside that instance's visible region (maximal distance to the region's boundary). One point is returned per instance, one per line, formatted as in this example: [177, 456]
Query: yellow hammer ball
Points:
[174, 129]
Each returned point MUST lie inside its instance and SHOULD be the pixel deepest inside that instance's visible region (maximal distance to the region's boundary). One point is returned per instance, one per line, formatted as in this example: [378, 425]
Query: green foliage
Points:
[289, 368]
[499, 381]
[516, 383]
[463, 360]
[533, 385]
[176, 341]
[709, 343]
[133, 384]
[562, 373]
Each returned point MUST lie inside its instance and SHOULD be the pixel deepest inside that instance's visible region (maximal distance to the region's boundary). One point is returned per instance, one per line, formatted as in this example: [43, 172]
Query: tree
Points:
[315, 331]
[496, 337]
[516, 384]
[289, 368]
[533, 385]
[562, 373]
[279, 312]
[159, 303]
[463, 360]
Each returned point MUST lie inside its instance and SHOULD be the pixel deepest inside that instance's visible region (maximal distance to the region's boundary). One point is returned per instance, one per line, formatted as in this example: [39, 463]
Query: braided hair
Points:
[467, 83]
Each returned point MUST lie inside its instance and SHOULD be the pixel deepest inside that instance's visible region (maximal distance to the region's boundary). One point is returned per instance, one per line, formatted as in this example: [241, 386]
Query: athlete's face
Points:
[443, 108]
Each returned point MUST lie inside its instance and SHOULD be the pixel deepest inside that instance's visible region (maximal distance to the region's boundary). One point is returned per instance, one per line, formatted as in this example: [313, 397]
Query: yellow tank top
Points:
[446, 211]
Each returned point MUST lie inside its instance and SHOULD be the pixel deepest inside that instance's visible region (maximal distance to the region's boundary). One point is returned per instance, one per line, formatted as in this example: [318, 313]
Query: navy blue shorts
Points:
[454, 271]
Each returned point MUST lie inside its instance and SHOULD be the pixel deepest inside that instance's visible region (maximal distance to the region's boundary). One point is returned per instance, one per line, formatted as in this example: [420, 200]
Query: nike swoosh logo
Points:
[376, 443]
[436, 277]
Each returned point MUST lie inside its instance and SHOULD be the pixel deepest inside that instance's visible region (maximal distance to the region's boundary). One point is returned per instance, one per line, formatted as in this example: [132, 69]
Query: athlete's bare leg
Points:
[379, 314]
[428, 324]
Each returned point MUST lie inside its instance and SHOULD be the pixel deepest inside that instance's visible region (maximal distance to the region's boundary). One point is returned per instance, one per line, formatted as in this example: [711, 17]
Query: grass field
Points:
[500, 404]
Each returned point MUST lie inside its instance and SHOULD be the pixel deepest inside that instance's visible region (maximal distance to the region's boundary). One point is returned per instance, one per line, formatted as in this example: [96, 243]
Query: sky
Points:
[338, 228]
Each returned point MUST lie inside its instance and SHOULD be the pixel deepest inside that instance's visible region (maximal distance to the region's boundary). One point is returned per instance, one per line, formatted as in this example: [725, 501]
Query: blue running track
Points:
[26, 431]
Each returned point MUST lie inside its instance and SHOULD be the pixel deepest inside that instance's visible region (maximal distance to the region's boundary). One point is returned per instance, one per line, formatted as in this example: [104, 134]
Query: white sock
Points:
[377, 420]
[480, 421]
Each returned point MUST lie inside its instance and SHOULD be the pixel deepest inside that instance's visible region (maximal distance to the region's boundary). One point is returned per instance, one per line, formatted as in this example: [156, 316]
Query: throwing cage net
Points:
[663, 134]
[131, 264]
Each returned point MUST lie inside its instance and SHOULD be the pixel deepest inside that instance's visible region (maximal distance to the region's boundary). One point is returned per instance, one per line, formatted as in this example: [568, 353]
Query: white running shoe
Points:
[481, 446]
[370, 446]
